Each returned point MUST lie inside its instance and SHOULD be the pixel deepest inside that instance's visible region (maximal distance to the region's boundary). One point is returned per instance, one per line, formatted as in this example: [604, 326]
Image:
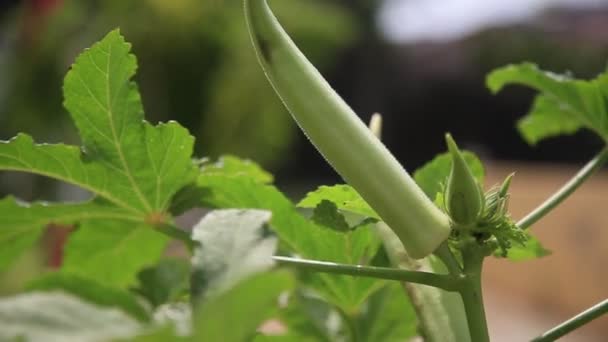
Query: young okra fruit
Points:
[343, 139]
[464, 198]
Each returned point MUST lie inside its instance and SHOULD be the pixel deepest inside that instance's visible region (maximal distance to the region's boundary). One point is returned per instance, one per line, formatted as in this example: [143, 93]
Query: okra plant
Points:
[384, 257]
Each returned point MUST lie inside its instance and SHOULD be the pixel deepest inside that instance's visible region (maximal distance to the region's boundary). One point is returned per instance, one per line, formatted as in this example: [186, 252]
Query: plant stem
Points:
[445, 282]
[438, 311]
[566, 190]
[574, 322]
[472, 294]
[444, 253]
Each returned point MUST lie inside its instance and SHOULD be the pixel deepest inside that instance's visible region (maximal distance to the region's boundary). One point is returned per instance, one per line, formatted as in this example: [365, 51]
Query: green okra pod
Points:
[343, 139]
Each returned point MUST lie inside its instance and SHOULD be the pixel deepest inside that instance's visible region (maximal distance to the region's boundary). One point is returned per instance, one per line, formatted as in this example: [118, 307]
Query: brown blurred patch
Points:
[574, 277]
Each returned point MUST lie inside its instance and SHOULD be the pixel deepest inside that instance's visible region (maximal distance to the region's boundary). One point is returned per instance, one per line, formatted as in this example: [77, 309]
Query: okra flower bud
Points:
[464, 198]
[343, 139]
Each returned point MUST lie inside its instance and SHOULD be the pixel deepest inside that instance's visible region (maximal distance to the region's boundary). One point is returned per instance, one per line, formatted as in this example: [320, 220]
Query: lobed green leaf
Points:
[133, 170]
[23, 223]
[67, 164]
[546, 119]
[106, 107]
[564, 104]
[112, 252]
[123, 159]
[300, 235]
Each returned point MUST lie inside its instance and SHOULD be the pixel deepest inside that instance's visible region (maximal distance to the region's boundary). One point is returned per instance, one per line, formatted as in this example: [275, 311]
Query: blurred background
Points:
[421, 63]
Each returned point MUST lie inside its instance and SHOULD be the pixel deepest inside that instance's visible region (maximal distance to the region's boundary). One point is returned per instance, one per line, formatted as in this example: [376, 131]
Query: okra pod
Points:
[343, 139]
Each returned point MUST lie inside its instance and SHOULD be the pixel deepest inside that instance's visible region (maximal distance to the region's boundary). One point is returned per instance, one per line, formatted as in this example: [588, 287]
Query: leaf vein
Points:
[117, 145]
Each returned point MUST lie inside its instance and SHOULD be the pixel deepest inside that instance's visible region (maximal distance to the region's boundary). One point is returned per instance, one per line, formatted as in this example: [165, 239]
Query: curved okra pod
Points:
[343, 139]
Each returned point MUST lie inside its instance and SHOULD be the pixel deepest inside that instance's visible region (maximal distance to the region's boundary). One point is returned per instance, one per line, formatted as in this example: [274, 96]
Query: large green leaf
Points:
[233, 246]
[236, 314]
[356, 247]
[242, 192]
[112, 252]
[133, 170]
[300, 235]
[65, 163]
[92, 292]
[55, 317]
[564, 104]
[123, 158]
[22, 224]
[154, 162]
[546, 119]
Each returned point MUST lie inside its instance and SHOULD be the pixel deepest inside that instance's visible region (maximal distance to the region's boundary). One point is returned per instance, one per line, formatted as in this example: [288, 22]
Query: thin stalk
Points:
[445, 282]
[472, 296]
[574, 322]
[566, 190]
[447, 257]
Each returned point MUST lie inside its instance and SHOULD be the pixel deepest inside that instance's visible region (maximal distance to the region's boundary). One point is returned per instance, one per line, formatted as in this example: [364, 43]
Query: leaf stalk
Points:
[566, 190]
[445, 282]
[574, 323]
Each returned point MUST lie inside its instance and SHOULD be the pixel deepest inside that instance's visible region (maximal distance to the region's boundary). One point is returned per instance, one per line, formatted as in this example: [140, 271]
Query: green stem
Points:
[472, 296]
[566, 190]
[445, 282]
[447, 257]
[438, 311]
[574, 322]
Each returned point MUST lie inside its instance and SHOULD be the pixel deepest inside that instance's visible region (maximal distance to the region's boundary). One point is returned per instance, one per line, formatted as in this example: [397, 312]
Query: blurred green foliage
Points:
[196, 67]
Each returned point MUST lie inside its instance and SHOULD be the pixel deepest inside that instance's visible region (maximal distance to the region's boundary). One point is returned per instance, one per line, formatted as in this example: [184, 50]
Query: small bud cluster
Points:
[478, 218]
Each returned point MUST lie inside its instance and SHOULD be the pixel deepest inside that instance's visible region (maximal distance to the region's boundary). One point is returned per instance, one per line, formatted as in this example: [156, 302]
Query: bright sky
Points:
[442, 20]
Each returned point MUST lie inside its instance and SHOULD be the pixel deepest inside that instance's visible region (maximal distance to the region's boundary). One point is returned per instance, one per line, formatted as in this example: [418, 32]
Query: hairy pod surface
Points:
[343, 139]
[464, 198]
